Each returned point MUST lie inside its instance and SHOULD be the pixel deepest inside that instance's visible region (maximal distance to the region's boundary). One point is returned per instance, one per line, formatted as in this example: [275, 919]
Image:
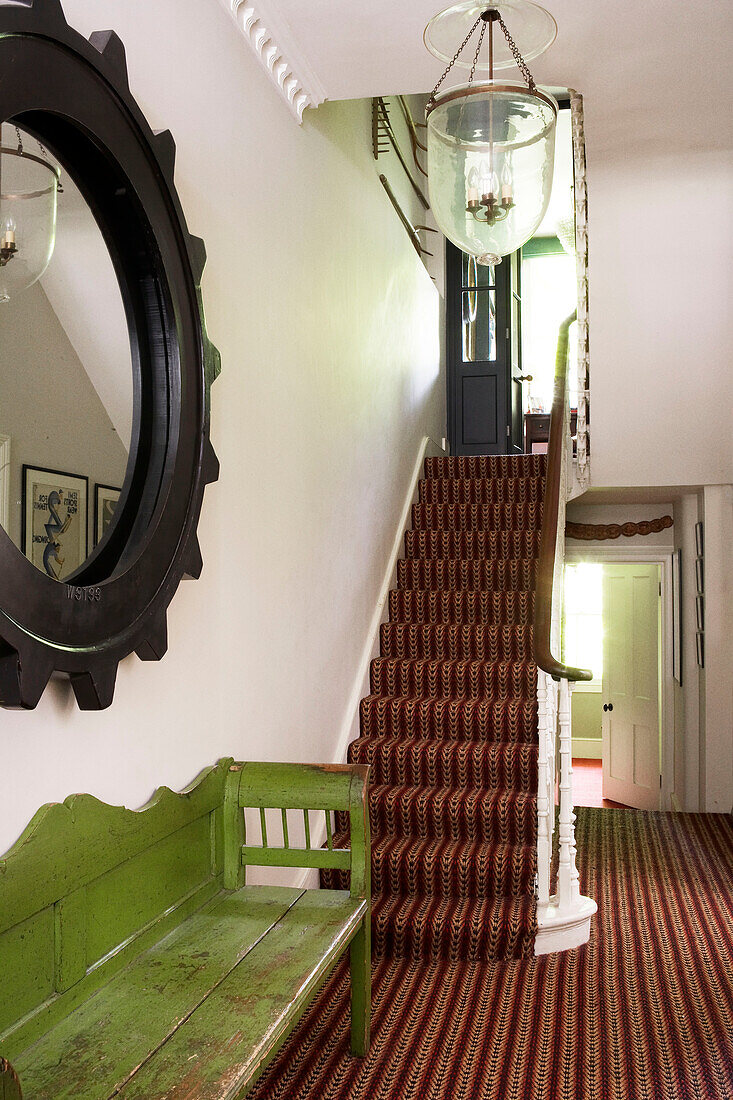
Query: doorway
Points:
[484, 379]
[616, 620]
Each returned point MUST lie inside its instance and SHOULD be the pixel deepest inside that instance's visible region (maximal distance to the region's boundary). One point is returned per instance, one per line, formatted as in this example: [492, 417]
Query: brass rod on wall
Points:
[410, 229]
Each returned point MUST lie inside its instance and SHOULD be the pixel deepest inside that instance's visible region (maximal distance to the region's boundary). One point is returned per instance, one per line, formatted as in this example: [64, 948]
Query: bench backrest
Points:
[88, 886]
[325, 788]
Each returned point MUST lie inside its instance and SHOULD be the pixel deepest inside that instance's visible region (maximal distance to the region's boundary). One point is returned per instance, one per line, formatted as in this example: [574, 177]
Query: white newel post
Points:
[563, 920]
[545, 796]
[568, 890]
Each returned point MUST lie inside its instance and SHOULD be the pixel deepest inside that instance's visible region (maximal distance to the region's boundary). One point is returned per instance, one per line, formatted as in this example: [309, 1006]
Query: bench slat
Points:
[94, 1050]
[222, 1048]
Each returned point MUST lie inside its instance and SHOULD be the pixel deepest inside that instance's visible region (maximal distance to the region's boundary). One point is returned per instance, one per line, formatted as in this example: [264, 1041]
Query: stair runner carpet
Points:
[450, 726]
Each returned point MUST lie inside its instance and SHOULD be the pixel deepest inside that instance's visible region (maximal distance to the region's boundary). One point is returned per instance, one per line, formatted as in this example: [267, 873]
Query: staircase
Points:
[450, 726]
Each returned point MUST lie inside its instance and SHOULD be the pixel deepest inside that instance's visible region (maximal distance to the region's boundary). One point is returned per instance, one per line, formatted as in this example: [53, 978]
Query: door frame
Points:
[662, 556]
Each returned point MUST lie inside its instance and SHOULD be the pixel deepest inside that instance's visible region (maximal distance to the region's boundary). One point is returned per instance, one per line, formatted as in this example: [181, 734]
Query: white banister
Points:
[563, 918]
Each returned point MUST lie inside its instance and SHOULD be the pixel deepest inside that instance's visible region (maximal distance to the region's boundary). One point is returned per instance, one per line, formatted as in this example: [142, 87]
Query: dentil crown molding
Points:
[271, 39]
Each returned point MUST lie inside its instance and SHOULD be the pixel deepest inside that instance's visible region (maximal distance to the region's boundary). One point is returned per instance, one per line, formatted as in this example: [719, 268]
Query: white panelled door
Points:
[631, 622]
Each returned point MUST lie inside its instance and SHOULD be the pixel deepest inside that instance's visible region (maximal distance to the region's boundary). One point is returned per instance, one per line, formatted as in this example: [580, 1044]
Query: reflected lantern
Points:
[29, 186]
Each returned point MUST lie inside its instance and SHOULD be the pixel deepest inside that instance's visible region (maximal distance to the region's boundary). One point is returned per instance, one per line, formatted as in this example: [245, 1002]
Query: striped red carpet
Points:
[642, 1012]
[450, 728]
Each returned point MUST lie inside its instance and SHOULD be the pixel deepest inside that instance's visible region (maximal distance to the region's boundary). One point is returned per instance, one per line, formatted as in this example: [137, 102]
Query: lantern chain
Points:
[478, 52]
[451, 63]
[521, 63]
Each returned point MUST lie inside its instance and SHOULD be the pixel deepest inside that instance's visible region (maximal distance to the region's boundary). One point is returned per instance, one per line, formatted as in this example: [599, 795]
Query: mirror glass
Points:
[66, 373]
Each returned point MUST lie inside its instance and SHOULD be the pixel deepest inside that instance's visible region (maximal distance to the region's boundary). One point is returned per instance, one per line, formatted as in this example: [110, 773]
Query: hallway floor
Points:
[642, 1012]
[588, 785]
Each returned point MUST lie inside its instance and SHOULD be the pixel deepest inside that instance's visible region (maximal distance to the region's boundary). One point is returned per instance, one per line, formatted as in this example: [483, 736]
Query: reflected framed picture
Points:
[677, 615]
[699, 540]
[105, 502]
[700, 576]
[700, 648]
[55, 517]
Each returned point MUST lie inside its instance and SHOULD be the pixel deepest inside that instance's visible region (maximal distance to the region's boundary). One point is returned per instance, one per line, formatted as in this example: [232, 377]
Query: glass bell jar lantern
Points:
[29, 186]
[491, 143]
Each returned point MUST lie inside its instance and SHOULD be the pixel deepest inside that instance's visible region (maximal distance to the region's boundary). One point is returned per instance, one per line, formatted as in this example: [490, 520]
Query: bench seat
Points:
[198, 1013]
[200, 999]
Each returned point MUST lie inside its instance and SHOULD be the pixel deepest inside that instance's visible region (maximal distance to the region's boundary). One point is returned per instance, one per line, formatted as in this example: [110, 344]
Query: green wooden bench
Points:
[136, 963]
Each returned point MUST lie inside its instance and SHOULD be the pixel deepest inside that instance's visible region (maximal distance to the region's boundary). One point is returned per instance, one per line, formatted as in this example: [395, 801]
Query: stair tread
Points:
[477, 517]
[484, 465]
[481, 490]
[473, 545]
[432, 927]
[442, 718]
[465, 574]
[414, 791]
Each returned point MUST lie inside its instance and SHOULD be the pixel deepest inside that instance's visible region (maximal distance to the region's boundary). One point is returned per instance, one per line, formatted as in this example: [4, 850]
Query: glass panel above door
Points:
[479, 325]
[473, 274]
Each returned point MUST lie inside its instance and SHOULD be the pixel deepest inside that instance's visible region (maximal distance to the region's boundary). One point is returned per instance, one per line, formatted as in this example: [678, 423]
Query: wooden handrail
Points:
[550, 519]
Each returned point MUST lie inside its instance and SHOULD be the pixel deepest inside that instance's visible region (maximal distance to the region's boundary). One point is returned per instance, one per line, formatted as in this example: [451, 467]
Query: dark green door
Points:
[484, 403]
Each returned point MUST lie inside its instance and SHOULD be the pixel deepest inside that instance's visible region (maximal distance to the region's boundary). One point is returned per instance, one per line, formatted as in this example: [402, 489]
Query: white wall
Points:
[661, 280]
[328, 327]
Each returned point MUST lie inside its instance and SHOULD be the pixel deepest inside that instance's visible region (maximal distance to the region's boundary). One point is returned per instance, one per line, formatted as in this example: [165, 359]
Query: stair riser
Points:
[450, 720]
[476, 642]
[476, 517]
[508, 490]
[509, 875]
[451, 764]
[491, 608]
[421, 930]
[453, 679]
[486, 466]
[442, 814]
[472, 545]
[505, 575]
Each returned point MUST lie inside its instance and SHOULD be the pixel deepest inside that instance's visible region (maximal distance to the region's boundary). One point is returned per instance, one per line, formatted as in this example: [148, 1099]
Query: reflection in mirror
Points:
[66, 382]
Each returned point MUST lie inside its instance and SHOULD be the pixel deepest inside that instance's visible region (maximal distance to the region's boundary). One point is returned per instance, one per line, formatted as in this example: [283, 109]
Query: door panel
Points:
[631, 685]
[480, 410]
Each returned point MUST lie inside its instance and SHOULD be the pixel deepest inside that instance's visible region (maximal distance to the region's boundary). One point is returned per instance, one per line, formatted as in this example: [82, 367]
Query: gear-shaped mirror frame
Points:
[74, 96]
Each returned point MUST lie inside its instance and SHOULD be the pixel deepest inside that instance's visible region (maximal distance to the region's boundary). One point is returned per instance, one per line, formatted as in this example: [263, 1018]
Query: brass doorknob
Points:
[522, 377]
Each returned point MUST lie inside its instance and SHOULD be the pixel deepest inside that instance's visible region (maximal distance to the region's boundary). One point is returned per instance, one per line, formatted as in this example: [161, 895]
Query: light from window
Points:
[583, 618]
[549, 295]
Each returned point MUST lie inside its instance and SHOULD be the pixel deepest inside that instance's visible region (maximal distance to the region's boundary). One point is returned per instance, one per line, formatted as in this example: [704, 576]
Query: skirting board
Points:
[350, 727]
[587, 748]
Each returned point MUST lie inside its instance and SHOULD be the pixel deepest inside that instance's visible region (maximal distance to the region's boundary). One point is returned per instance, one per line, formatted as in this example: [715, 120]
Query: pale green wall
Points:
[587, 716]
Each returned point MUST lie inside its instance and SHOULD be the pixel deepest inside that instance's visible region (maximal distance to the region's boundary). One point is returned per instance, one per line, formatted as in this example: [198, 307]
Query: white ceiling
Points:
[655, 74]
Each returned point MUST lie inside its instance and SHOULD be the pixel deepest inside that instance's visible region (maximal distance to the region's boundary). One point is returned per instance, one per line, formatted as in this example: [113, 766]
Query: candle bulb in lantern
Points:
[7, 234]
[506, 182]
[473, 186]
[485, 174]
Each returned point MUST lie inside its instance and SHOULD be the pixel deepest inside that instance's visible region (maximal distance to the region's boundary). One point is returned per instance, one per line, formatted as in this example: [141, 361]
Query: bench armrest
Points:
[299, 787]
